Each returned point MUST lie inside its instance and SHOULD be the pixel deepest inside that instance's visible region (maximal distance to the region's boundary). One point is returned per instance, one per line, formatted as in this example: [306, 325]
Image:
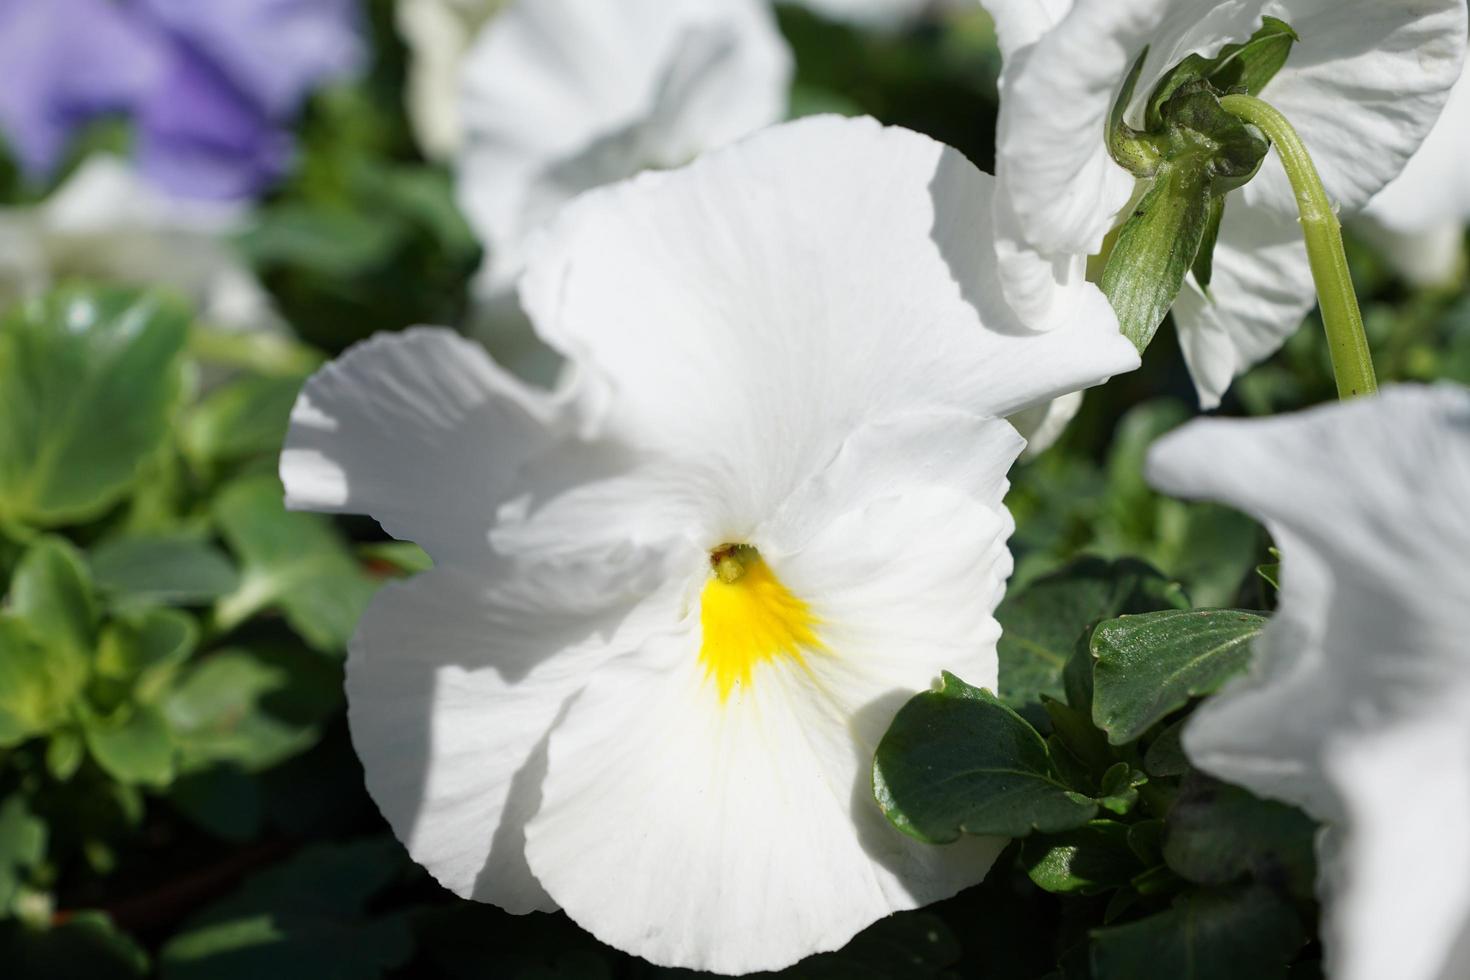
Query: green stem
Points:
[1352, 362]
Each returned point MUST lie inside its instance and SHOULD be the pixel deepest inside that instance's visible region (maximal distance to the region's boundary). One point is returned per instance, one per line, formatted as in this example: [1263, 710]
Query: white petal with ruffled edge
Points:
[560, 96]
[1357, 707]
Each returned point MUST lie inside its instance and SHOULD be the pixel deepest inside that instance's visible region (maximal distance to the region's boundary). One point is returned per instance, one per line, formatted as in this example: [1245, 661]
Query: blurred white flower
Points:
[1418, 221]
[1363, 87]
[1357, 707]
[438, 34]
[561, 96]
[883, 14]
[109, 224]
[676, 602]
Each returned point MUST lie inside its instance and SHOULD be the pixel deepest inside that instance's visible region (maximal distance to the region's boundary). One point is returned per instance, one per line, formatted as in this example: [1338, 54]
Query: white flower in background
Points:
[1419, 220]
[1357, 707]
[109, 224]
[438, 34]
[561, 96]
[676, 603]
[1363, 87]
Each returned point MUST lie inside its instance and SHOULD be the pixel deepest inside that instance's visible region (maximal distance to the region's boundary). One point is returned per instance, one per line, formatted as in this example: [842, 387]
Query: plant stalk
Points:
[1352, 361]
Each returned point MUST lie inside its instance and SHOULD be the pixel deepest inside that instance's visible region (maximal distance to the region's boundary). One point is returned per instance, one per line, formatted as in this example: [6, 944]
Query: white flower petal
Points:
[1260, 291]
[453, 680]
[422, 431]
[1021, 23]
[564, 95]
[438, 34]
[745, 313]
[1418, 221]
[746, 834]
[1043, 425]
[1357, 707]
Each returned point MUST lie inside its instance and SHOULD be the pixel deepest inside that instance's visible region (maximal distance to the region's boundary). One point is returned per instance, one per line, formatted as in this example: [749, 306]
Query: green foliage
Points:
[1151, 665]
[68, 362]
[958, 761]
[169, 569]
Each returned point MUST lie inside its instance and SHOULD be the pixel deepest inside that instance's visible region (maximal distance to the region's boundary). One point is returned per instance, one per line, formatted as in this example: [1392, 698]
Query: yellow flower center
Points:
[749, 618]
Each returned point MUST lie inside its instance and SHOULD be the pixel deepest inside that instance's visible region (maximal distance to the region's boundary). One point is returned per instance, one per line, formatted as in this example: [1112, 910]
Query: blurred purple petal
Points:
[275, 51]
[200, 136]
[68, 61]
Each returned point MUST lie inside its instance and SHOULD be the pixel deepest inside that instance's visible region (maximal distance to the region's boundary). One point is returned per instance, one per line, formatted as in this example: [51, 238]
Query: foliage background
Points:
[178, 793]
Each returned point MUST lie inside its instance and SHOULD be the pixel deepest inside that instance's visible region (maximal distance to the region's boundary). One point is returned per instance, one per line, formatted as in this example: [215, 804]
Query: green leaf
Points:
[22, 847]
[1118, 792]
[1218, 834]
[958, 761]
[87, 946]
[252, 708]
[141, 651]
[52, 592]
[225, 800]
[403, 557]
[1204, 936]
[36, 687]
[133, 746]
[1156, 248]
[88, 382]
[1149, 666]
[294, 561]
[167, 569]
[1089, 860]
[1250, 66]
[1041, 624]
[1165, 756]
[304, 919]
[64, 754]
[245, 418]
[906, 946]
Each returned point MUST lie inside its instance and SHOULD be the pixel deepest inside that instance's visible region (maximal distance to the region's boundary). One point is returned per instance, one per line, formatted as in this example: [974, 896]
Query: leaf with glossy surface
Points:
[290, 560]
[1041, 624]
[167, 569]
[88, 383]
[1204, 936]
[1087, 861]
[958, 761]
[1151, 665]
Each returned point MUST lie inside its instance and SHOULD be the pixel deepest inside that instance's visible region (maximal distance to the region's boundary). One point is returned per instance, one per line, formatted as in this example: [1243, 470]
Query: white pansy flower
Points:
[561, 96]
[676, 603]
[107, 223]
[438, 34]
[1357, 707]
[1363, 86]
[1419, 220]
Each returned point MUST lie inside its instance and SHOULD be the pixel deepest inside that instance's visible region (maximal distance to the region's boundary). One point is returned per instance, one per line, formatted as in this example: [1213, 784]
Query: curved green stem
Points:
[1352, 362]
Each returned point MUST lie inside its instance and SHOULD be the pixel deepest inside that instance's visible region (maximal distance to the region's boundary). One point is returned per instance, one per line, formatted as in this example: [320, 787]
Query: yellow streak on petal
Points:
[749, 619]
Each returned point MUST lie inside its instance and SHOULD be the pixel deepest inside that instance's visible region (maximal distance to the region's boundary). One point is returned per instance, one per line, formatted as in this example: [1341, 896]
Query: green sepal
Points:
[1246, 66]
[1156, 248]
[1132, 150]
[958, 761]
[1204, 260]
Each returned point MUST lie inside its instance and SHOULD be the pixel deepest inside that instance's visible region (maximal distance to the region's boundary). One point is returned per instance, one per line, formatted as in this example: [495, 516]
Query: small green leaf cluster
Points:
[1166, 872]
[168, 630]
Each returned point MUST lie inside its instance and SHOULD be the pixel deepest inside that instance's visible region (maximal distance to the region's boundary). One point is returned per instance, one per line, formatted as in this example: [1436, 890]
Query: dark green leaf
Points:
[305, 919]
[1042, 623]
[171, 569]
[1086, 861]
[1119, 791]
[1156, 248]
[1165, 756]
[224, 800]
[22, 847]
[907, 946]
[1204, 936]
[958, 761]
[87, 947]
[88, 381]
[251, 708]
[1204, 260]
[1218, 834]
[290, 560]
[1149, 666]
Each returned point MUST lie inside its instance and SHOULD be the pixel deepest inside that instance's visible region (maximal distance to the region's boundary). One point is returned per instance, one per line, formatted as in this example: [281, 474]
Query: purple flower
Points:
[64, 62]
[212, 87]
